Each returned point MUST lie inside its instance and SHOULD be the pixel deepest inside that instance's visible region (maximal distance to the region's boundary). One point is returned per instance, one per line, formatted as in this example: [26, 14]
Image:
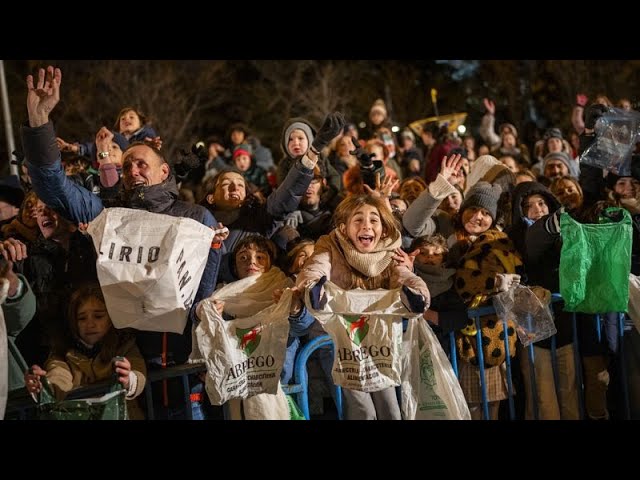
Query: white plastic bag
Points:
[244, 357]
[149, 266]
[430, 389]
[366, 329]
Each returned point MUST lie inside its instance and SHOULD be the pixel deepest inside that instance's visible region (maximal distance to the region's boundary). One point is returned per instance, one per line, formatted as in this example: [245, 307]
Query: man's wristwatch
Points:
[102, 155]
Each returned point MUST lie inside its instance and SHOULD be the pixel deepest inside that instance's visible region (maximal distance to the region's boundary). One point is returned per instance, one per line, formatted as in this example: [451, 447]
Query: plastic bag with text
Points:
[366, 329]
[430, 389]
[149, 266]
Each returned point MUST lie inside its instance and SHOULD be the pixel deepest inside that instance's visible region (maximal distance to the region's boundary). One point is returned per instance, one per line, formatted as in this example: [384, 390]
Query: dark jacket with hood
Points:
[79, 205]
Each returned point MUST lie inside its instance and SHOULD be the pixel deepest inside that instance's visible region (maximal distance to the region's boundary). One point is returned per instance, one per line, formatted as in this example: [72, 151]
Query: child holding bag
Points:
[363, 251]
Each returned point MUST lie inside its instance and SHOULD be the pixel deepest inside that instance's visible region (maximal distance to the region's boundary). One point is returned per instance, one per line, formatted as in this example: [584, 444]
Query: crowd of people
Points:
[449, 220]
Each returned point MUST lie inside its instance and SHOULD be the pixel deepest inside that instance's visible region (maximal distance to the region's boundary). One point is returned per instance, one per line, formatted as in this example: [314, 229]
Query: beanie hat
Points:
[306, 128]
[483, 195]
[612, 179]
[408, 134]
[552, 133]
[242, 149]
[121, 140]
[510, 127]
[11, 191]
[379, 106]
[479, 168]
[563, 157]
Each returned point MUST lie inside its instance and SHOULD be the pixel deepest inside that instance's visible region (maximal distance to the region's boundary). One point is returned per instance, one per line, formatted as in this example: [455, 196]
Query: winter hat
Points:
[479, 168]
[298, 126]
[408, 134]
[483, 195]
[612, 179]
[563, 157]
[242, 149]
[379, 106]
[11, 191]
[510, 127]
[552, 133]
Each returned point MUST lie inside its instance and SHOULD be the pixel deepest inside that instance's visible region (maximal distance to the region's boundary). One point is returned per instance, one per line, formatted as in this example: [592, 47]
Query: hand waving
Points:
[44, 96]
[450, 166]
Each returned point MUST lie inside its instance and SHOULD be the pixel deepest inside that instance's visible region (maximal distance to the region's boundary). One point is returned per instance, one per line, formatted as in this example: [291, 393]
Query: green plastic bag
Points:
[595, 263]
[111, 406]
[294, 411]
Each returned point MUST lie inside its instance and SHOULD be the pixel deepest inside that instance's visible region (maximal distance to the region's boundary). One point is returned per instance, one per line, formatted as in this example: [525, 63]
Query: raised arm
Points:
[43, 156]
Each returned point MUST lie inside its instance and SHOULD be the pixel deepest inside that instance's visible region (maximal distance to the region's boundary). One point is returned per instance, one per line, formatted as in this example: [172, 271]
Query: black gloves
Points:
[592, 113]
[187, 161]
[314, 294]
[332, 126]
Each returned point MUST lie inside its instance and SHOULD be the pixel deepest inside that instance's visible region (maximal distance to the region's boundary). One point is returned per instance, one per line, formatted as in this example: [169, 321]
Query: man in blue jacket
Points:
[148, 184]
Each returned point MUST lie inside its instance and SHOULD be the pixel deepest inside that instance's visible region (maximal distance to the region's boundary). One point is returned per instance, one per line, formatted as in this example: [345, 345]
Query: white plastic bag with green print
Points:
[366, 329]
[244, 357]
[430, 389]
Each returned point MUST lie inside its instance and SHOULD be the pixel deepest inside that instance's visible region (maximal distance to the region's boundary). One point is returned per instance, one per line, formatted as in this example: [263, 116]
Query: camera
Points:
[369, 167]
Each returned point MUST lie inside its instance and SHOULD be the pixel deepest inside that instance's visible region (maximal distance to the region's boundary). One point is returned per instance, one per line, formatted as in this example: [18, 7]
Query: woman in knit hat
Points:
[486, 262]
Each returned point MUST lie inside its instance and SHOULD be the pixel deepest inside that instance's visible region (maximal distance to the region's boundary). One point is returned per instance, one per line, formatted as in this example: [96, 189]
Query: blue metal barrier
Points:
[301, 377]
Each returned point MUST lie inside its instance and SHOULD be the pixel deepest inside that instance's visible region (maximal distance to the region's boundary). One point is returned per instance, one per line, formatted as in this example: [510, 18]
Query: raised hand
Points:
[331, 128]
[383, 189]
[404, 259]
[66, 147]
[43, 96]
[489, 105]
[450, 166]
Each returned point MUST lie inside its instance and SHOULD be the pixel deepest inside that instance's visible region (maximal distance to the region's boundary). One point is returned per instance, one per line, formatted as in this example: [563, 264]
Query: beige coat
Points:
[78, 370]
[328, 260]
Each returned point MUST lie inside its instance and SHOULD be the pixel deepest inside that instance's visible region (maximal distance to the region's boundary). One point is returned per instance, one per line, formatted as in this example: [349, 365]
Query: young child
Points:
[447, 312]
[243, 161]
[87, 357]
[363, 251]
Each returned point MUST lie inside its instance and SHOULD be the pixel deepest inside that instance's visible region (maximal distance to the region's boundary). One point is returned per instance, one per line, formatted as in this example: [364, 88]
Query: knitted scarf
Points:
[370, 264]
[438, 278]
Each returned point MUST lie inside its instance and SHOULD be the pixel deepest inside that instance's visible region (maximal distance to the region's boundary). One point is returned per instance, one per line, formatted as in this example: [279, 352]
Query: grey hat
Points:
[483, 195]
[552, 133]
[298, 126]
[563, 157]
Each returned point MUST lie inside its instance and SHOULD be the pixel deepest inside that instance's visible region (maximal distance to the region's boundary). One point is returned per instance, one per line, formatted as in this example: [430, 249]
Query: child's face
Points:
[93, 321]
[364, 228]
[301, 258]
[430, 255]
[243, 162]
[129, 122]
[298, 143]
[535, 207]
[251, 261]
[237, 137]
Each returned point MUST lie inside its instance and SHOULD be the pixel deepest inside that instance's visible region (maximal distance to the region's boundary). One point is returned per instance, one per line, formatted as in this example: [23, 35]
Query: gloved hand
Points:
[332, 126]
[592, 113]
[314, 294]
[294, 219]
[504, 281]
[552, 223]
